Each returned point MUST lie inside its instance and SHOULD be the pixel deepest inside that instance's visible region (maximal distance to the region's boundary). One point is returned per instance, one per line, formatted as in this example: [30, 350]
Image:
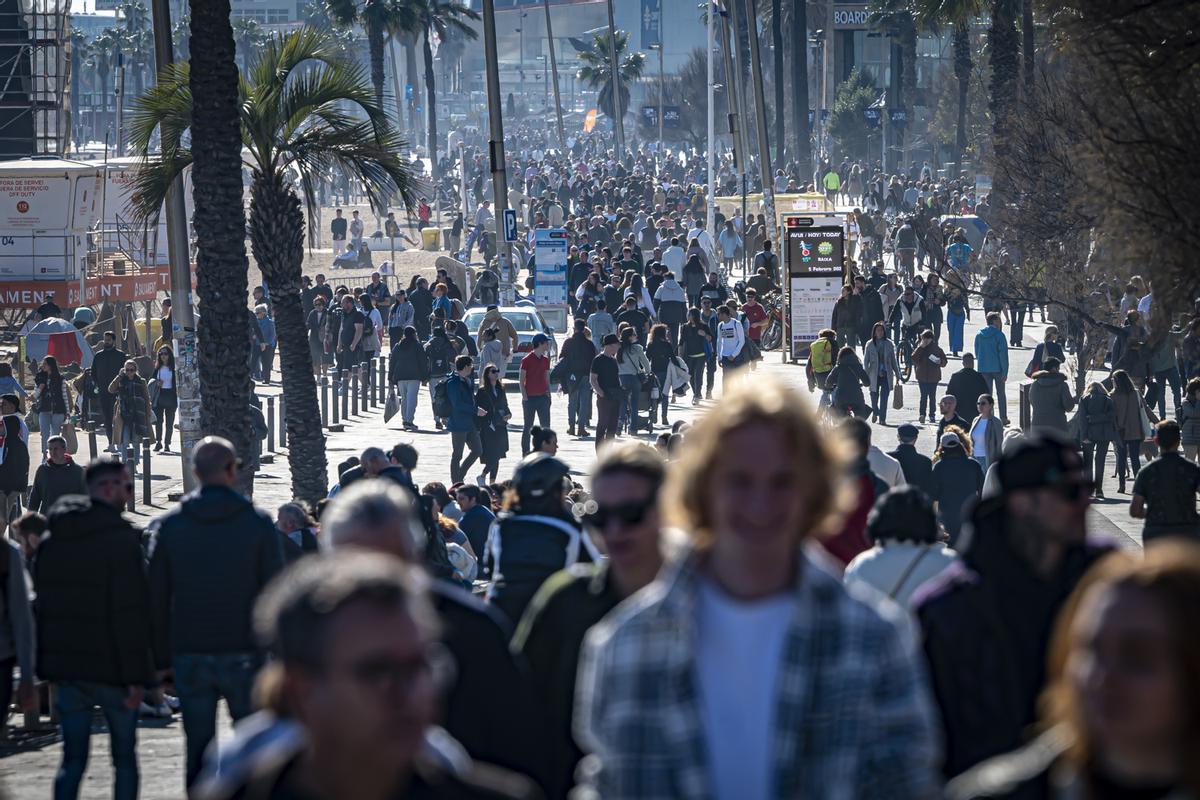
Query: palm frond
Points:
[165, 108]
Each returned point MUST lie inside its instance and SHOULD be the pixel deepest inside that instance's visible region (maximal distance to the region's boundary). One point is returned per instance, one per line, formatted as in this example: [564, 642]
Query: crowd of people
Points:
[758, 603]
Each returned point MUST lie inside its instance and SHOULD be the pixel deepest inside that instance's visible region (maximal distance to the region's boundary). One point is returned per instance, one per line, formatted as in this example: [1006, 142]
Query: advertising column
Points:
[550, 275]
[813, 254]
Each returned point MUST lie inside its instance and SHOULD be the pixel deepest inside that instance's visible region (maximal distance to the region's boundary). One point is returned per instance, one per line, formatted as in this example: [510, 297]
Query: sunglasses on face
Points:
[626, 514]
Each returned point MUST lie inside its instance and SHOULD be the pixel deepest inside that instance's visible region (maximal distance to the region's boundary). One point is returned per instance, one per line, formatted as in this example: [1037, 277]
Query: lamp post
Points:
[615, 80]
[496, 147]
[562, 138]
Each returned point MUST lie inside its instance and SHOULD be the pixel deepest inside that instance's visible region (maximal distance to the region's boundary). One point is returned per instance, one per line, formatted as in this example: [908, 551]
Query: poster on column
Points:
[813, 299]
[550, 274]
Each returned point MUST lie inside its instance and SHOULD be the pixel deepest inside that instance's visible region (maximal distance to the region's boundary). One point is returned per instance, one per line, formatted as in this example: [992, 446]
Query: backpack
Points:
[442, 409]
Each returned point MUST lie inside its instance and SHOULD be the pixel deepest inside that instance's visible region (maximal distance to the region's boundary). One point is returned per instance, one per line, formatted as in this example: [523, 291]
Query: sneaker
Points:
[438, 424]
[582, 433]
[172, 701]
[695, 401]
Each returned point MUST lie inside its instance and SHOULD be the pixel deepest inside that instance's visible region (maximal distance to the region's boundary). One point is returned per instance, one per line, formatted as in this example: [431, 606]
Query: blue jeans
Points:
[631, 387]
[954, 325]
[202, 680]
[879, 399]
[579, 405]
[539, 405]
[51, 425]
[75, 701]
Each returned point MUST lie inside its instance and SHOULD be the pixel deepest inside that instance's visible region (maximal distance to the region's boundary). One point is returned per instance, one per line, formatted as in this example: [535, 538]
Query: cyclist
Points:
[911, 312]
[905, 243]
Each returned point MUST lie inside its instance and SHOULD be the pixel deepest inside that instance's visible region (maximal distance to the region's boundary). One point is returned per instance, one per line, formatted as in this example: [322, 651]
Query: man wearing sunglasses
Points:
[623, 513]
[988, 622]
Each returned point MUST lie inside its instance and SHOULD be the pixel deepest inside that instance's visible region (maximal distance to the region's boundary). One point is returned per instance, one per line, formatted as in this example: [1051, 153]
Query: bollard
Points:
[345, 390]
[336, 417]
[130, 453]
[92, 442]
[372, 384]
[354, 392]
[271, 423]
[383, 381]
[324, 401]
[145, 472]
[282, 421]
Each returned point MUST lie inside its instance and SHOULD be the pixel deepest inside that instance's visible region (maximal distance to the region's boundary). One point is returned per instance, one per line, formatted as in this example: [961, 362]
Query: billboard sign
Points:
[550, 270]
[815, 249]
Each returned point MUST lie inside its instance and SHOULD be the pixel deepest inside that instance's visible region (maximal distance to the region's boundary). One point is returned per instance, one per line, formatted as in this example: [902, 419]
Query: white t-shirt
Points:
[739, 646]
[165, 378]
[979, 440]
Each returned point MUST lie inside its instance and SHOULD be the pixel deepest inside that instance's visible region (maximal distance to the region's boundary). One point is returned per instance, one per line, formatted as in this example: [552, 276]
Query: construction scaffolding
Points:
[35, 73]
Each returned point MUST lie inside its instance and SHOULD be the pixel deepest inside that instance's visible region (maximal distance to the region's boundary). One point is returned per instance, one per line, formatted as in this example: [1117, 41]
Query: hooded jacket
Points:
[1050, 400]
[991, 351]
[672, 302]
[209, 560]
[93, 606]
[987, 622]
[966, 385]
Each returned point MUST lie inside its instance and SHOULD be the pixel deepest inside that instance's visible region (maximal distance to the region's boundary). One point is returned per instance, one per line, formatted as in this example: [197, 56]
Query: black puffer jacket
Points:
[987, 622]
[528, 549]
[93, 605]
[209, 560]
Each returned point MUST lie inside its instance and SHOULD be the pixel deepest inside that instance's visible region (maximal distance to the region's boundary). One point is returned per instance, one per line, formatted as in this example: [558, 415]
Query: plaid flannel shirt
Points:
[853, 716]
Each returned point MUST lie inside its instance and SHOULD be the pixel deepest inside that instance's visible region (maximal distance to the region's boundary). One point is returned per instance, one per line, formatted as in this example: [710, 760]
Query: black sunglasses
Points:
[626, 513]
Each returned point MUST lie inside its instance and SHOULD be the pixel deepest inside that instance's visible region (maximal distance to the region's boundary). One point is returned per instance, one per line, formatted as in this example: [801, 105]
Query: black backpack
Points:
[442, 409]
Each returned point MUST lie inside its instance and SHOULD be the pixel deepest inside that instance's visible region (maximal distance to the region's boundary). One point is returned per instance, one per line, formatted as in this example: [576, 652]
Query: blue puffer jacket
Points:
[462, 404]
[991, 351]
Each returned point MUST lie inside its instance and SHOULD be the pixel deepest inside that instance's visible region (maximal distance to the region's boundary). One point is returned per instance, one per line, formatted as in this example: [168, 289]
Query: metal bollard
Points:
[345, 390]
[145, 472]
[271, 423]
[383, 381]
[374, 389]
[324, 401]
[282, 421]
[130, 453]
[335, 417]
[354, 392]
[92, 442]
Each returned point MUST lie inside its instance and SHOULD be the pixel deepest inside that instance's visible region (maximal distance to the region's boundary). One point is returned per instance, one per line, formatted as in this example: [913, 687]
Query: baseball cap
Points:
[908, 431]
[950, 440]
[540, 338]
[1039, 460]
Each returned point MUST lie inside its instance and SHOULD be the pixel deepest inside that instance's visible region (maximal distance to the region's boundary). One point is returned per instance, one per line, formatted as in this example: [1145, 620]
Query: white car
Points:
[528, 323]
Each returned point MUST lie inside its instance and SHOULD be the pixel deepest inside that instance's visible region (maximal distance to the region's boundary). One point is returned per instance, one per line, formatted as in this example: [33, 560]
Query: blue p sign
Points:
[510, 225]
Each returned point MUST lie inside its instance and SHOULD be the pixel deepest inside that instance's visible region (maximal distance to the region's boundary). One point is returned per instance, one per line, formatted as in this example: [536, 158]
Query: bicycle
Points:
[909, 337]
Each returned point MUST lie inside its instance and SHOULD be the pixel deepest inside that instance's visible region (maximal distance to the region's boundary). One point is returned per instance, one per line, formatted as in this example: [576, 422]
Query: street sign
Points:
[671, 116]
[510, 224]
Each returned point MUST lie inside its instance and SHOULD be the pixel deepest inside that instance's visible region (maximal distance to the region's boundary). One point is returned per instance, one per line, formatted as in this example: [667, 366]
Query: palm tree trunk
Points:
[430, 104]
[277, 241]
[799, 37]
[223, 348]
[375, 48]
[777, 73]
[410, 73]
[1005, 73]
[1027, 45]
[962, 72]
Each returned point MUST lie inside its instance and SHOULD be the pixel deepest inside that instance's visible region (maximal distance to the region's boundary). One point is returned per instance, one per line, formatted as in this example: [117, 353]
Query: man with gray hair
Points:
[209, 560]
[351, 694]
[372, 461]
[488, 705]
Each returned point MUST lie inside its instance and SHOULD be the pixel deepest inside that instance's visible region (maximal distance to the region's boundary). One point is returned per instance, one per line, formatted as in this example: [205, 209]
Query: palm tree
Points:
[248, 37]
[103, 56]
[440, 17]
[304, 112]
[219, 221]
[1005, 47]
[379, 19]
[800, 85]
[597, 73]
[958, 15]
[80, 53]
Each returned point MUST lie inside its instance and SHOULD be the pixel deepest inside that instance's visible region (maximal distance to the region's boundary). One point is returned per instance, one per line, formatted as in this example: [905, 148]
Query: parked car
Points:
[528, 323]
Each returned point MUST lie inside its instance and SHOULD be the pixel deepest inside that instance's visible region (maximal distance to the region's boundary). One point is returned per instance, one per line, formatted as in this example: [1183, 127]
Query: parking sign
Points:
[510, 224]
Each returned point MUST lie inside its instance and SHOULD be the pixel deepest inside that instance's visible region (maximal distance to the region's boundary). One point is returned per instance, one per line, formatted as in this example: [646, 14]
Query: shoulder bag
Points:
[908, 571]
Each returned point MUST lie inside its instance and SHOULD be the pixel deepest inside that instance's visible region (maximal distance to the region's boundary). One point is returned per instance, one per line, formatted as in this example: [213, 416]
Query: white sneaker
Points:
[160, 711]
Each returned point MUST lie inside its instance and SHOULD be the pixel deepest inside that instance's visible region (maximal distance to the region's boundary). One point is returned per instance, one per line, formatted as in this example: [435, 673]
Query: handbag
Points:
[1147, 425]
[391, 406]
[68, 433]
[898, 396]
